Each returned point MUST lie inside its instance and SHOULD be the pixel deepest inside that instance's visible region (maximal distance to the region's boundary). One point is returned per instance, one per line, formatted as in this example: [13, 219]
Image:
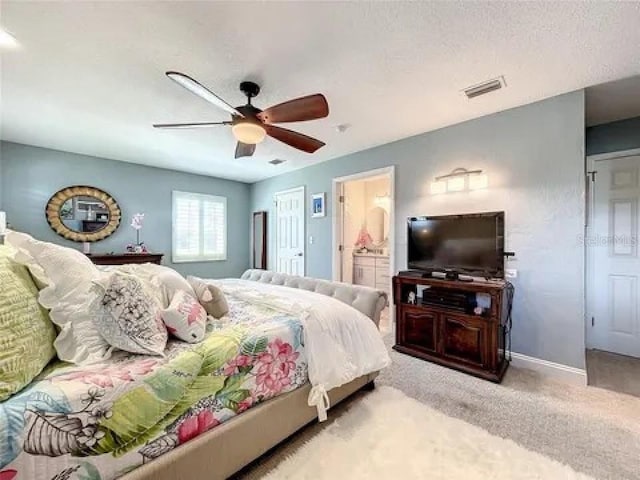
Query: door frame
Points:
[589, 287]
[336, 216]
[274, 226]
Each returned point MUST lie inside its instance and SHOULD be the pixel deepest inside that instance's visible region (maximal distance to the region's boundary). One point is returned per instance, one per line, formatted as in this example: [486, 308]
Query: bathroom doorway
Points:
[363, 229]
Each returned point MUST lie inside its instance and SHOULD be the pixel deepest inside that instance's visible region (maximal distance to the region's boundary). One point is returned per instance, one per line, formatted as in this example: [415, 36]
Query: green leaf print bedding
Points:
[100, 421]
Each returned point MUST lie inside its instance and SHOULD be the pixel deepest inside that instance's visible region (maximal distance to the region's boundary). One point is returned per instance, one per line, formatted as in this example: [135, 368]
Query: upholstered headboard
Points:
[367, 300]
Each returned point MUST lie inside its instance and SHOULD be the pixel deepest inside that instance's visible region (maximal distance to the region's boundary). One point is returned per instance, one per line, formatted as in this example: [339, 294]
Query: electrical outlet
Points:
[310, 239]
[511, 273]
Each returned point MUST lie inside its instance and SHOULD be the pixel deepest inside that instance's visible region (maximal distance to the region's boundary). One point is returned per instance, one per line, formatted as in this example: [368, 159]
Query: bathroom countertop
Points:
[369, 254]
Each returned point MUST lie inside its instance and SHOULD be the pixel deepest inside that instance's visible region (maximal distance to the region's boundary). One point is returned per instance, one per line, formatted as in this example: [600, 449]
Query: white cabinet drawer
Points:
[364, 261]
[382, 263]
[382, 275]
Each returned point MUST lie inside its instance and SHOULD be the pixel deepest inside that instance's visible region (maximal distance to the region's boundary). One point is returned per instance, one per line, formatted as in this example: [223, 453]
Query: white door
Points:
[613, 243]
[351, 211]
[290, 231]
[345, 262]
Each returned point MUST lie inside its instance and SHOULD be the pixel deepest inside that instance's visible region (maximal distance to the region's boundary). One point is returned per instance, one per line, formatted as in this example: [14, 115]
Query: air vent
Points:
[276, 161]
[485, 87]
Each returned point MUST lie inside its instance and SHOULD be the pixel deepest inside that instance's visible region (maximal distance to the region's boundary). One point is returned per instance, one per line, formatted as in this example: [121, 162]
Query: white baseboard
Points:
[557, 371]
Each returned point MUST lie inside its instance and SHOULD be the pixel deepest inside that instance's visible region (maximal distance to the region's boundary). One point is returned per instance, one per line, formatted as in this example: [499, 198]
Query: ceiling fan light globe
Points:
[249, 133]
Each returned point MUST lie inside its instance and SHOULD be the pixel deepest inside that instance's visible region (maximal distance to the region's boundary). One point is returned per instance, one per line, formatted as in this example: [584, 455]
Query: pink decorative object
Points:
[364, 238]
[185, 318]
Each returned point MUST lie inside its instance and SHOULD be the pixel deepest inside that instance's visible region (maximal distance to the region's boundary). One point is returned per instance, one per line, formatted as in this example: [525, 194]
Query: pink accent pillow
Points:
[185, 318]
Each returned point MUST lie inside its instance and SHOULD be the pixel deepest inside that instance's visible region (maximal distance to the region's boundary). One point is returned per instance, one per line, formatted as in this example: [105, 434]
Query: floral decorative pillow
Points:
[128, 317]
[165, 281]
[185, 318]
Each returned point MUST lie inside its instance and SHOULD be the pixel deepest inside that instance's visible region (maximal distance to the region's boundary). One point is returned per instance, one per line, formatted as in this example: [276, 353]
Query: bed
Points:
[203, 410]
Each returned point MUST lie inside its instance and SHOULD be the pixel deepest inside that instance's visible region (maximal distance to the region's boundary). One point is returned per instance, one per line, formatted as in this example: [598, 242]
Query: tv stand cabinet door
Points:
[419, 329]
[465, 338]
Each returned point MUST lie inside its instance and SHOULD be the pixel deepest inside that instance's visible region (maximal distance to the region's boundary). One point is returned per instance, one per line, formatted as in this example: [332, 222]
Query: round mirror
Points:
[83, 214]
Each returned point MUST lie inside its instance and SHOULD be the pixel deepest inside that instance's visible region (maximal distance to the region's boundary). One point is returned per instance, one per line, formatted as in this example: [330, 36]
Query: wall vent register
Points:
[485, 87]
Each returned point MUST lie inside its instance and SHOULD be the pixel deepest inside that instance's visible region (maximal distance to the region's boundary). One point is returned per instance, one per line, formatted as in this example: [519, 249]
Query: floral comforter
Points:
[98, 422]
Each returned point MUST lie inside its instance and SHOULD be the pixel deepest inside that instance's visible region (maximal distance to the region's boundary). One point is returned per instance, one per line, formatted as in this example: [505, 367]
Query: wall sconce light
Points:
[459, 180]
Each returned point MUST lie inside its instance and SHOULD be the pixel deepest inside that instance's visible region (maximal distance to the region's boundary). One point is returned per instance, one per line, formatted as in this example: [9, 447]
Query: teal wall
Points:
[30, 175]
[1, 163]
[614, 136]
[534, 157]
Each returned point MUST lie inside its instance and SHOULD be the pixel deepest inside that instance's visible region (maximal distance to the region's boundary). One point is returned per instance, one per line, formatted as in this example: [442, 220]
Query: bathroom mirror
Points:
[378, 224]
[83, 214]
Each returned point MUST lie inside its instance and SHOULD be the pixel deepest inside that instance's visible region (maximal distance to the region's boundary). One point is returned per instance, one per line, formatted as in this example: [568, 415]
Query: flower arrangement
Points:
[136, 223]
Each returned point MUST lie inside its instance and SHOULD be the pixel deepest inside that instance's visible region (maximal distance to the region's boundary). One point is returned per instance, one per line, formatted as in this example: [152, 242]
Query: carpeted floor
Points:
[614, 372]
[390, 435]
[594, 431]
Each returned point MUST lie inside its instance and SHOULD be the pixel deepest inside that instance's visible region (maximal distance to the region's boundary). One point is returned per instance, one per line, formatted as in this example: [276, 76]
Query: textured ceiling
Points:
[611, 101]
[88, 77]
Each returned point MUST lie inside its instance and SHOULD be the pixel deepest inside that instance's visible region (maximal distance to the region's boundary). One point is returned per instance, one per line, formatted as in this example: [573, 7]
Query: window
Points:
[199, 227]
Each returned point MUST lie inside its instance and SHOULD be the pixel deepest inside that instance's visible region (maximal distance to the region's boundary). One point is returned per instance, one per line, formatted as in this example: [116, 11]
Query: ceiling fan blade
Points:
[301, 109]
[189, 125]
[203, 92]
[294, 139]
[244, 149]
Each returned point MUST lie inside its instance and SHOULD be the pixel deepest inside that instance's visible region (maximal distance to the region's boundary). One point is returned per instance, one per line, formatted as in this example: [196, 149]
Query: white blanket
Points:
[341, 343]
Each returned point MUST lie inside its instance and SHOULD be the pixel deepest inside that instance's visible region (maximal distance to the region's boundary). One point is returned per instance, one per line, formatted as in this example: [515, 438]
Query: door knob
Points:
[299, 254]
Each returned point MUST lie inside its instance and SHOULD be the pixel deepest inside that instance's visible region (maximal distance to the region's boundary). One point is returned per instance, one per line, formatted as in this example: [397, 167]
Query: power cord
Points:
[510, 291]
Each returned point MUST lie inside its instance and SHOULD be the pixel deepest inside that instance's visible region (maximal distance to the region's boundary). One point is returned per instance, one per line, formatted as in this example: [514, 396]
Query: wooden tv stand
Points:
[453, 335]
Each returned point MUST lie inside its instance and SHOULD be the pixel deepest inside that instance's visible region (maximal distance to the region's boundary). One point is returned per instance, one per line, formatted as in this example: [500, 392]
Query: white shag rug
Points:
[388, 435]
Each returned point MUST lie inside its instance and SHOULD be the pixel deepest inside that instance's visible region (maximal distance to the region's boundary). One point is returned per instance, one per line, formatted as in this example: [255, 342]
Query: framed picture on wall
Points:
[318, 207]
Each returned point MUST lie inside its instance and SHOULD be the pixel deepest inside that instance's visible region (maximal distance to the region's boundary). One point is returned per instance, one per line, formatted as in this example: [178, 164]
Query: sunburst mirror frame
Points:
[55, 203]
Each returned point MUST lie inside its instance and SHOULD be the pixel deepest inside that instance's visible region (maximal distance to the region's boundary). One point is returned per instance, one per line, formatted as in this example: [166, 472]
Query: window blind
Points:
[199, 227]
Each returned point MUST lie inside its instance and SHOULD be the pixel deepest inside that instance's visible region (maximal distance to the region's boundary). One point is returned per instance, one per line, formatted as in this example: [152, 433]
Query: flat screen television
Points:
[471, 244]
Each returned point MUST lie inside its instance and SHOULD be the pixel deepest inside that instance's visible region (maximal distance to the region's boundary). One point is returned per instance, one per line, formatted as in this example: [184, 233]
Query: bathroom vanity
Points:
[372, 270]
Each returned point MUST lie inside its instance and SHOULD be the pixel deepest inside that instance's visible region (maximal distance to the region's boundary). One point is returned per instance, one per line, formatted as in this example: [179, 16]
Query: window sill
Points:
[198, 260]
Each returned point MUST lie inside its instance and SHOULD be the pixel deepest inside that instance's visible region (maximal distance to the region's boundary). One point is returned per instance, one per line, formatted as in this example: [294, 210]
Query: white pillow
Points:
[127, 316]
[185, 318]
[68, 294]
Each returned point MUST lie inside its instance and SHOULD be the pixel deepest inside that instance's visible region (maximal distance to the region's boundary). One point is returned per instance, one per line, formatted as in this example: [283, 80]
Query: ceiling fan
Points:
[249, 124]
